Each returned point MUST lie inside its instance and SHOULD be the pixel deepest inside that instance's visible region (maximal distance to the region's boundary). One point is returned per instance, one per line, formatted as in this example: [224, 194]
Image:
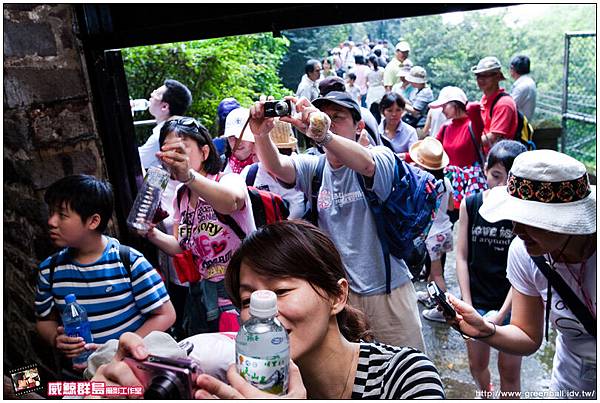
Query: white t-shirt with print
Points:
[574, 366]
[441, 222]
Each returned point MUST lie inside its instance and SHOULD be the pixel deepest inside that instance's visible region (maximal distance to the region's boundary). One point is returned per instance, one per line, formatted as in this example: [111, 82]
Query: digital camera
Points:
[166, 378]
[440, 298]
[278, 108]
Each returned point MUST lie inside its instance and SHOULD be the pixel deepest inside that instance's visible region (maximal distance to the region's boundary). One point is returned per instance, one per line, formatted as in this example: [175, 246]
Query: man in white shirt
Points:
[308, 86]
[171, 99]
[390, 74]
[524, 91]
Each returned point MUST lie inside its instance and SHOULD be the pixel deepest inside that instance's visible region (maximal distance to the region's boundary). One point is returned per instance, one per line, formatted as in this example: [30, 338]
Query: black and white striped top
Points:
[387, 372]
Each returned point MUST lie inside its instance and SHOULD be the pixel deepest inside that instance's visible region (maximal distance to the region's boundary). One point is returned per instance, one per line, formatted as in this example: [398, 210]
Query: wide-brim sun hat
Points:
[488, 63]
[429, 153]
[448, 94]
[416, 75]
[548, 190]
[235, 122]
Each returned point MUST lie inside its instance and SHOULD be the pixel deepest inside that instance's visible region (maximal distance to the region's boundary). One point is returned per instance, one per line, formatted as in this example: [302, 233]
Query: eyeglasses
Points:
[487, 75]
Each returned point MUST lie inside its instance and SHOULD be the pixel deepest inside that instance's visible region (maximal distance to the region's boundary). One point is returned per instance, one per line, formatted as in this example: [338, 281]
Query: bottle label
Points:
[269, 375]
[83, 330]
[157, 177]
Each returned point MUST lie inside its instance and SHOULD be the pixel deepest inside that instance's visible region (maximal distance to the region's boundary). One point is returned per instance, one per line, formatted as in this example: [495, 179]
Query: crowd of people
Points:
[355, 332]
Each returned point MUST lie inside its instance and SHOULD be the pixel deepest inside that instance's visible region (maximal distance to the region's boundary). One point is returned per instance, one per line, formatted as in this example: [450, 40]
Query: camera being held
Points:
[166, 378]
[278, 108]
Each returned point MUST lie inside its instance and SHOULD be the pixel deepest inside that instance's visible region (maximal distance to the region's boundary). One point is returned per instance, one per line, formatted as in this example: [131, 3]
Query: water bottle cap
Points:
[70, 298]
[263, 304]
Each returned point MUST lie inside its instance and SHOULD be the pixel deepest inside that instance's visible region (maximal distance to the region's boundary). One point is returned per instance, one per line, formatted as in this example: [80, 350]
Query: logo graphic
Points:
[26, 379]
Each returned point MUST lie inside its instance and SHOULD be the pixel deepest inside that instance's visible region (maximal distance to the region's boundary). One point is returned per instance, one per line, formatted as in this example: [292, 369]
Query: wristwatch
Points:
[326, 139]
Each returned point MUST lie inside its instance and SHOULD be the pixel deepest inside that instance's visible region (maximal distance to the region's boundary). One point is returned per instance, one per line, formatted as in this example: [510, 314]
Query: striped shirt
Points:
[116, 302]
[387, 372]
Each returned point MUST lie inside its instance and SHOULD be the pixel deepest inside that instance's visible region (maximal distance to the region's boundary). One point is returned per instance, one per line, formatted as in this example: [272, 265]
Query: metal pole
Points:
[563, 134]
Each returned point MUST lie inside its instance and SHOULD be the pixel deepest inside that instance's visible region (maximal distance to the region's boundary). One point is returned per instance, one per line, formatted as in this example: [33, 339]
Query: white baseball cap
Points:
[448, 94]
[234, 123]
[403, 46]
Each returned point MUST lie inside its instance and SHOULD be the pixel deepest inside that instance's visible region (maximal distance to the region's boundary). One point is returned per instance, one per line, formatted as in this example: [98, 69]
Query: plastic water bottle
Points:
[139, 105]
[76, 324]
[262, 346]
[148, 199]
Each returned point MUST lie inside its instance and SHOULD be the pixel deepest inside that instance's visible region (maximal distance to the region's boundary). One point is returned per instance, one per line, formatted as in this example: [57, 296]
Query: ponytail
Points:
[353, 325]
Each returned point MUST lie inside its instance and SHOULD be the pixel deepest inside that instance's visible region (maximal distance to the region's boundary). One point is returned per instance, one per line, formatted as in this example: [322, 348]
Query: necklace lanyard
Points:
[190, 222]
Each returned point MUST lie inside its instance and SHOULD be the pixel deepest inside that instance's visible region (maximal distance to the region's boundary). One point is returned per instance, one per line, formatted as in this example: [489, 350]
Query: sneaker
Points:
[434, 315]
[423, 297]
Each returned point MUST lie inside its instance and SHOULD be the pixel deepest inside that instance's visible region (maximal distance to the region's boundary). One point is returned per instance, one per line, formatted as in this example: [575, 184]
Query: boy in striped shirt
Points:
[117, 299]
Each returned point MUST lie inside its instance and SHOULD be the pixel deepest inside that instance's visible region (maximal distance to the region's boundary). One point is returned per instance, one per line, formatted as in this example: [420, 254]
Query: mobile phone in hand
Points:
[440, 299]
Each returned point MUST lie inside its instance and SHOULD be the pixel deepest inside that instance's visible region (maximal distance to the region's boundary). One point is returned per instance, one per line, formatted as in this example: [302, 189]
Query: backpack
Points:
[524, 132]
[123, 257]
[403, 220]
[267, 207]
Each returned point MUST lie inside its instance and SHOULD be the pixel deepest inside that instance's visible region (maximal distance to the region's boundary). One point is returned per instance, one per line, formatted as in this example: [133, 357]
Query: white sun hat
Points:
[417, 75]
[548, 190]
[448, 94]
[235, 122]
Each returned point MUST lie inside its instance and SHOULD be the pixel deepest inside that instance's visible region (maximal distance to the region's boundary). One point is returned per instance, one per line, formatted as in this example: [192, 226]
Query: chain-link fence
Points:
[578, 103]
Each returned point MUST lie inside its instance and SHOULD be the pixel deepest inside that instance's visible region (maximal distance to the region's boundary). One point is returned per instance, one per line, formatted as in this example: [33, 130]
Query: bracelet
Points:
[192, 176]
[326, 140]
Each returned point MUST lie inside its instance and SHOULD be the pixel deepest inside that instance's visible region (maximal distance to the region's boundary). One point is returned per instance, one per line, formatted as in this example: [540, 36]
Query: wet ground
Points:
[447, 350]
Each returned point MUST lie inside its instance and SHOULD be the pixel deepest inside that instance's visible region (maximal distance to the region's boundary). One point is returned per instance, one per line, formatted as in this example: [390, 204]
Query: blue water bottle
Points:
[76, 324]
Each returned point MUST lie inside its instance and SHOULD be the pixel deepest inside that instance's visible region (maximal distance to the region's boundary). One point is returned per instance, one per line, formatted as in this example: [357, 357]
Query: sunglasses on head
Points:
[189, 122]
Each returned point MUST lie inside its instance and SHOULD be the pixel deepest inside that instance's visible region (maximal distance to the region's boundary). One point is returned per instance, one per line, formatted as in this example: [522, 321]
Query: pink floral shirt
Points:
[212, 242]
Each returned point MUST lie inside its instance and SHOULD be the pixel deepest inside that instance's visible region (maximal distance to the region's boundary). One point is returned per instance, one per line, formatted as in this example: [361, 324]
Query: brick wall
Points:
[49, 132]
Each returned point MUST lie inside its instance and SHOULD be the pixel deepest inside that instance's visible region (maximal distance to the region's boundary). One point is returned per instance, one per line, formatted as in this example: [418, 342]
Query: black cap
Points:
[340, 98]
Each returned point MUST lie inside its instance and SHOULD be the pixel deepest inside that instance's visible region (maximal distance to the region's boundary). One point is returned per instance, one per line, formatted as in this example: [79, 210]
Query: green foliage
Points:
[243, 67]
[305, 44]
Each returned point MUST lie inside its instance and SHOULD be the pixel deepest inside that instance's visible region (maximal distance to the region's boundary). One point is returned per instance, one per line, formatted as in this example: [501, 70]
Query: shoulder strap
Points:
[495, 101]
[124, 256]
[477, 148]
[52, 267]
[571, 300]
[444, 127]
[251, 176]
[375, 206]
[235, 227]
[317, 180]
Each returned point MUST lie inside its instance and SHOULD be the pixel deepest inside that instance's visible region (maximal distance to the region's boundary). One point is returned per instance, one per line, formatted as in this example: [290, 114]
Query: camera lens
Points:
[282, 108]
[165, 386]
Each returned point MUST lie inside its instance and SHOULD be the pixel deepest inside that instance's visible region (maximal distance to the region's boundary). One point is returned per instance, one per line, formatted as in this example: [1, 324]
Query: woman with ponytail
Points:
[333, 354]
[329, 340]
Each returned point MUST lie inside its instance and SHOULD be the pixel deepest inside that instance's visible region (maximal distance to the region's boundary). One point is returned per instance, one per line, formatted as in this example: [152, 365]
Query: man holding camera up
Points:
[334, 123]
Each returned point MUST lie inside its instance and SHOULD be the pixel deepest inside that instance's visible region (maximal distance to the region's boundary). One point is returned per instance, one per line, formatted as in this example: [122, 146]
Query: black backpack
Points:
[524, 132]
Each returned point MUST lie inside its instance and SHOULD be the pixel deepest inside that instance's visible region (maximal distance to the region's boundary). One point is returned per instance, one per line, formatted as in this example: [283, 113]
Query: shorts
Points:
[438, 244]
[482, 312]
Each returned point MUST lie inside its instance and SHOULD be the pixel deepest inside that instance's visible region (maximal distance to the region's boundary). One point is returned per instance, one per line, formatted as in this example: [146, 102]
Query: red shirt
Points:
[504, 119]
[457, 142]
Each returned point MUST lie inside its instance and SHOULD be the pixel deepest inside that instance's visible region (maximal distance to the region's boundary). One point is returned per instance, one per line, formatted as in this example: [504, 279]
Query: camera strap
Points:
[238, 140]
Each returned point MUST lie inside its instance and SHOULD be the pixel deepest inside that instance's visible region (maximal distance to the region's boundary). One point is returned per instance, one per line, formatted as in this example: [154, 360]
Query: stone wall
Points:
[49, 132]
